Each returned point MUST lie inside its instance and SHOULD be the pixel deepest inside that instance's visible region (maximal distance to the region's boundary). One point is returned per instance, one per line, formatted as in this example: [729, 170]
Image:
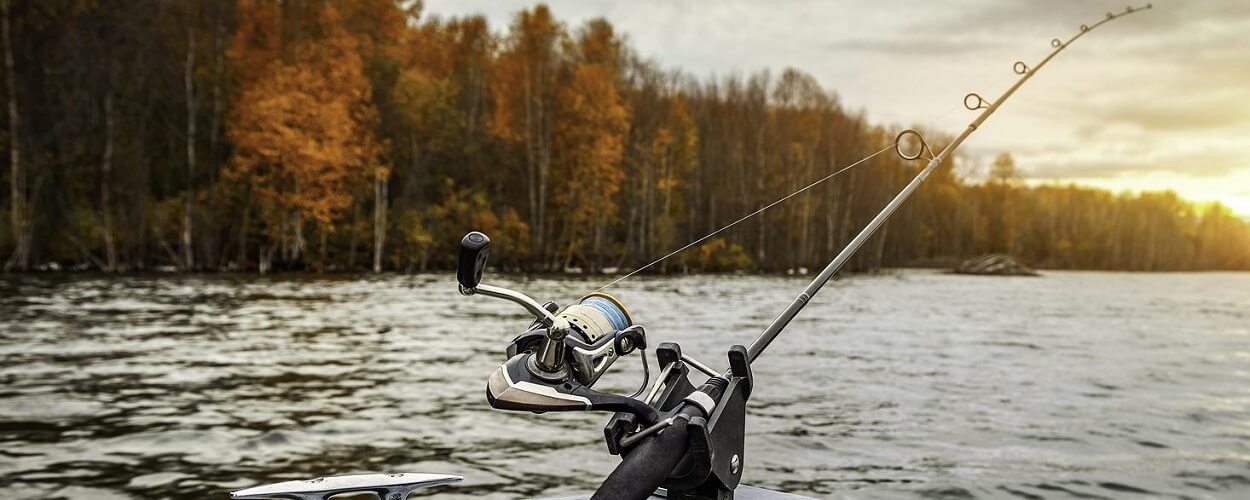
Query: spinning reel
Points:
[686, 439]
[555, 362]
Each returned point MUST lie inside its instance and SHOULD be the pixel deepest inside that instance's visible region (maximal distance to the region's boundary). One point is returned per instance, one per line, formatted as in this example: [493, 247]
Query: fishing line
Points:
[745, 217]
[770, 205]
[972, 101]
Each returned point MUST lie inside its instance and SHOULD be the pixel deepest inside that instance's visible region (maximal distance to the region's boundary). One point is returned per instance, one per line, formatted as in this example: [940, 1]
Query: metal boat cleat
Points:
[385, 486]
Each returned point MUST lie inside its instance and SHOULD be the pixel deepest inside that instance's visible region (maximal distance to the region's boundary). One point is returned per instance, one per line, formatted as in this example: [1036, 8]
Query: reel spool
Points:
[597, 315]
[594, 317]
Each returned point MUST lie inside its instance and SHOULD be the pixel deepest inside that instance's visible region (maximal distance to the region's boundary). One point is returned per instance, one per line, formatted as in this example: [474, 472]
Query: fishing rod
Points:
[973, 102]
[678, 439]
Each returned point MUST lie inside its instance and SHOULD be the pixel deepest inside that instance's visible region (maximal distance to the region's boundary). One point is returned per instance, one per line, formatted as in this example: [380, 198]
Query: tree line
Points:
[368, 134]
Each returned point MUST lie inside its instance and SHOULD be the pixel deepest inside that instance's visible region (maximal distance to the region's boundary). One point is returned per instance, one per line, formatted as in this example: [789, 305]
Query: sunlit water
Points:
[910, 384]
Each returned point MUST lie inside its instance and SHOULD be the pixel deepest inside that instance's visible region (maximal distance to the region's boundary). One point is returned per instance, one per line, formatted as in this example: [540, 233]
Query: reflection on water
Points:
[909, 384]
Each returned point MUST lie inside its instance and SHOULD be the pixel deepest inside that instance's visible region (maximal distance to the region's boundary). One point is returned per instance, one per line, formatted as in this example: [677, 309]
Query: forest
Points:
[369, 135]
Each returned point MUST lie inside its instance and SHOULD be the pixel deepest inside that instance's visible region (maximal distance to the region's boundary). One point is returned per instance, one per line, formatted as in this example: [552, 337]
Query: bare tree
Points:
[188, 255]
[106, 171]
[380, 187]
[20, 214]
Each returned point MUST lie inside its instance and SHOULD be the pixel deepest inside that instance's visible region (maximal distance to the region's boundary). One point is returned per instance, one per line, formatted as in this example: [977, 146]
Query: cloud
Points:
[1125, 160]
[1015, 17]
[1199, 111]
[918, 45]
[1162, 92]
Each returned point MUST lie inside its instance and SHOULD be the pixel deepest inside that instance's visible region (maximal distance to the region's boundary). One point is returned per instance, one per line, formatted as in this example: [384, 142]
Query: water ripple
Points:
[912, 384]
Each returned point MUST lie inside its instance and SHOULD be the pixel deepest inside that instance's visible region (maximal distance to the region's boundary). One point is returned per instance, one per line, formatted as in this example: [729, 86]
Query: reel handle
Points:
[471, 263]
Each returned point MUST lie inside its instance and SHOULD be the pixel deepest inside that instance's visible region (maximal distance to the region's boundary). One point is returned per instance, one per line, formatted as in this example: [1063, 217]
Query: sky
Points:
[1156, 100]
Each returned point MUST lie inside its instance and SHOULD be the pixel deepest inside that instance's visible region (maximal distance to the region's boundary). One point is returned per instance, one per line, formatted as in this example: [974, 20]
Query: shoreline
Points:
[362, 273]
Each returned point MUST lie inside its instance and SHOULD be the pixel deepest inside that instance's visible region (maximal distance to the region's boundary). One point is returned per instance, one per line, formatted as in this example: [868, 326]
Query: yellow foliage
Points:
[525, 75]
[589, 143]
[302, 133]
[462, 210]
[718, 256]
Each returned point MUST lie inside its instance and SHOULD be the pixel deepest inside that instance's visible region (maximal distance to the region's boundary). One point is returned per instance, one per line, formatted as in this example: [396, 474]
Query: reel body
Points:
[554, 364]
[544, 374]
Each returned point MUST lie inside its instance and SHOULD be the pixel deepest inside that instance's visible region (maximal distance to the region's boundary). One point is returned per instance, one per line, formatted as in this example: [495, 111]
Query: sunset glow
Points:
[1158, 103]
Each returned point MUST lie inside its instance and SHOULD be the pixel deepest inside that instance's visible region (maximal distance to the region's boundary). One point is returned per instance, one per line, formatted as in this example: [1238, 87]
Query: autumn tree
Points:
[444, 223]
[525, 91]
[188, 76]
[660, 164]
[302, 134]
[381, 30]
[1002, 224]
[426, 126]
[674, 148]
[1003, 170]
[1220, 240]
[18, 190]
[203, 135]
[597, 43]
[589, 140]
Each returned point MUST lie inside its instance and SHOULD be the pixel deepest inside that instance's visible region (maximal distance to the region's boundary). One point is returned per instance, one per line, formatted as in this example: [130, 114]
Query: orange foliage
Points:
[302, 127]
[598, 44]
[526, 74]
[463, 208]
[563, 143]
[589, 141]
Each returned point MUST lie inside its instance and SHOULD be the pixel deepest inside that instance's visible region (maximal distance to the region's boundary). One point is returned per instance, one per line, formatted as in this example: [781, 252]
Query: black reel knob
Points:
[474, 250]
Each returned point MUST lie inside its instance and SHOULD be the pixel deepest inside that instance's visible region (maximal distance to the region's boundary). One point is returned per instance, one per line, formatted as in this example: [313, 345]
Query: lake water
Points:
[906, 384]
